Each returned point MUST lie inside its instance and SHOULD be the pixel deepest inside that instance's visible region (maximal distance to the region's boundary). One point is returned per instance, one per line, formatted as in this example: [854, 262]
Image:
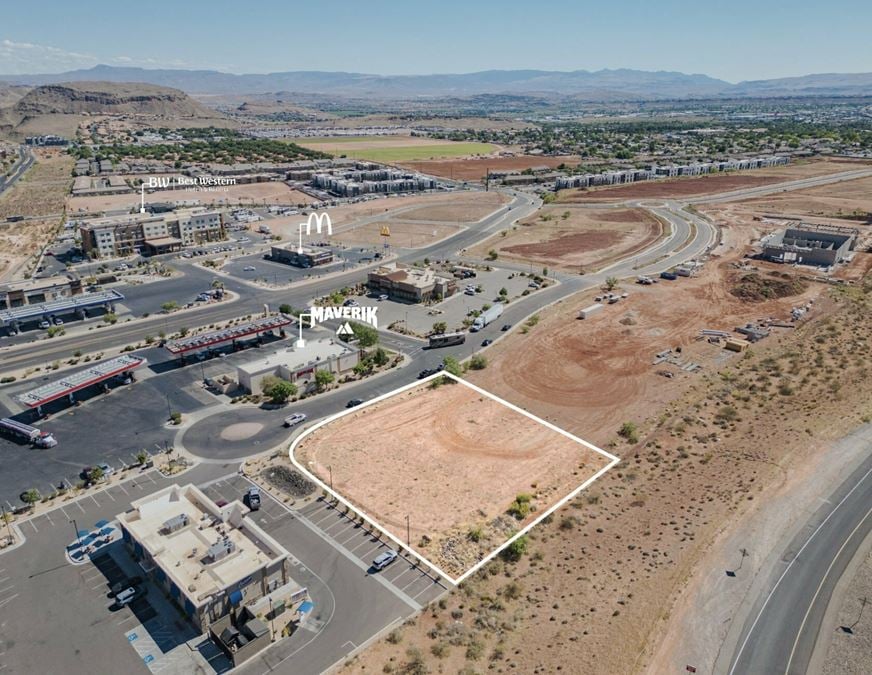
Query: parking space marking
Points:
[49, 519]
[79, 505]
[108, 493]
[95, 501]
[429, 587]
[8, 588]
[66, 515]
[350, 525]
[11, 597]
[33, 526]
[121, 487]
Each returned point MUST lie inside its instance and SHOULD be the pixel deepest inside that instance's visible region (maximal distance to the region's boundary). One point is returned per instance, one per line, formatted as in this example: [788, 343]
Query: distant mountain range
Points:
[604, 85]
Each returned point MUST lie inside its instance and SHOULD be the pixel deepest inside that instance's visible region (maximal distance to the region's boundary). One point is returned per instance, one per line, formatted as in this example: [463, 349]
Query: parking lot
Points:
[409, 579]
[454, 309]
[279, 273]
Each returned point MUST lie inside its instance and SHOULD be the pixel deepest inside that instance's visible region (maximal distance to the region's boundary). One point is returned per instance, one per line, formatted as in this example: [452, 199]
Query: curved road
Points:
[783, 627]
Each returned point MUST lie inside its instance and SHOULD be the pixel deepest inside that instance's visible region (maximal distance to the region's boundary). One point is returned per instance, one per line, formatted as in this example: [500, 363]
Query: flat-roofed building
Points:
[298, 364]
[37, 291]
[412, 284]
[290, 254]
[811, 244]
[209, 559]
[150, 233]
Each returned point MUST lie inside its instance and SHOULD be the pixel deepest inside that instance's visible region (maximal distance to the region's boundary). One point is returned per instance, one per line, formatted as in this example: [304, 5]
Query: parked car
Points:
[58, 321]
[252, 498]
[384, 559]
[130, 582]
[295, 419]
[353, 403]
[249, 268]
[128, 595]
[44, 324]
[106, 469]
[383, 296]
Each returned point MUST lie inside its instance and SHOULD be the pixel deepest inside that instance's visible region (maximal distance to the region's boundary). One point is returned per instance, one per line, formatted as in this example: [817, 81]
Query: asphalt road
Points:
[25, 161]
[782, 629]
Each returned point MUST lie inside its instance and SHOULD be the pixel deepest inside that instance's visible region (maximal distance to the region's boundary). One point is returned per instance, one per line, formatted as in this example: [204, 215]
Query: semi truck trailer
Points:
[40, 439]
[487, 317]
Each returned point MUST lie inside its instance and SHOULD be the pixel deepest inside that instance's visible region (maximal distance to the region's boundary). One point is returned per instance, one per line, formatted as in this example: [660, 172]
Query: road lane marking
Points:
[821, 585]
[787, 569]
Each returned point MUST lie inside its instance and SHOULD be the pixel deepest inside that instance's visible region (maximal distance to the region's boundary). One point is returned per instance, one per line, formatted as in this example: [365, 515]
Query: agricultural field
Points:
[464, 468]
[600, 583]
[391, 149]
[39, 197]
[571, 238]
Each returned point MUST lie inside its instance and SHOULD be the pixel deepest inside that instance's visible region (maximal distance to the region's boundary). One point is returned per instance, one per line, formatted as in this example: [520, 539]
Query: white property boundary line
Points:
[453, 580]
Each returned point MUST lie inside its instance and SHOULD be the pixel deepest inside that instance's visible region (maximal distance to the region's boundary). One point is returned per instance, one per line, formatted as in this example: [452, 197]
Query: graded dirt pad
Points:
[273, 192]
[477, 169]
[452, 460]
[464, 207]
[403, 235]
[598, 586]
[692, 186]
[394, 148]
[567, 237]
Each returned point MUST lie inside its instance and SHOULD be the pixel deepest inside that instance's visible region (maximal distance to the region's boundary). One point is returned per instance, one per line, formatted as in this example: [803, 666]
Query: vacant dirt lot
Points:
[463, 207]
[274, 192]
[403, 235]
[476, 169]
[453, 461]
[598, 584]
[567, 237]
[711, 184]
[38, 195]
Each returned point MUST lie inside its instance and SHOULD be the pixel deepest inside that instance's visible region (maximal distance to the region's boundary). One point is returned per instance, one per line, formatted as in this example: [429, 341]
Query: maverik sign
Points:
[364, 314]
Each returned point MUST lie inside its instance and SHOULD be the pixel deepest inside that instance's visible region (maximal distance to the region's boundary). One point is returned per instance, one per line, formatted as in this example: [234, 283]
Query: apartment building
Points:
[150, 233]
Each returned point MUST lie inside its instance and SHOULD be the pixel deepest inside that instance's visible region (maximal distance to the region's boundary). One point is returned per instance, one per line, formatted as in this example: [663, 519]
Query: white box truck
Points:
[587, 311]
[486, 317]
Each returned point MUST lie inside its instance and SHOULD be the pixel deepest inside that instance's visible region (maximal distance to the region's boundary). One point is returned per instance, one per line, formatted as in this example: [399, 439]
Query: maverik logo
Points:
[319, 219]
[364, 314]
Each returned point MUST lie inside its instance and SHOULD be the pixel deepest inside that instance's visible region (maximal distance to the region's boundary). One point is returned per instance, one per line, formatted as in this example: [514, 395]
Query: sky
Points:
[731, 40]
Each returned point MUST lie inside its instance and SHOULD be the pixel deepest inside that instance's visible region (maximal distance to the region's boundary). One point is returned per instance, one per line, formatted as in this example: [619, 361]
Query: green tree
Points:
[440, 327]
[629, 432]
[323, 378]
[278, 390]
[516, 549]
[380, 357]
[611, 283]
[141, 457]
[95, 475]
[366, 335]
[285, 308]
[478, 362]
[169, 306]
[452, 365]
[31, 496]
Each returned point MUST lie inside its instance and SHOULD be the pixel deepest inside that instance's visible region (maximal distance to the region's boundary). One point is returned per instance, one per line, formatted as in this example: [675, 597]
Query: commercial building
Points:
[150, 233]
[211, 560]
[290, 254]
[35, 291]
[410, 284]
[811, 244]
[298, 365]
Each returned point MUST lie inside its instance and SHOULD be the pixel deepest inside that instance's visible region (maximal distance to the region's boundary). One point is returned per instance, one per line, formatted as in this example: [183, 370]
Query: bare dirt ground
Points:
[38, 195]
[711, 184]
[850, 653]
[274, 192]
[476, 169]
[429, 207]
[598, 584]
[395, 141]
[571, 238]
[453, 461]
[464, 207]
[405, 235]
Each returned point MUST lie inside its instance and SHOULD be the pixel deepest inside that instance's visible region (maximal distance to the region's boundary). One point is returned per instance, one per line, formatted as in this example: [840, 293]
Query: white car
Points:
[44, 324]
[249, 268]
[384, 559]
[295, 419]
[126, 596]
[383, 297]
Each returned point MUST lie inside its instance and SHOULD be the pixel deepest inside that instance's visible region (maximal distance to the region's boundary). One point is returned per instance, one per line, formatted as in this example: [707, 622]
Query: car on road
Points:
[129, 582]
[485, 343]
[249, 268]
[252, 498]
[295, 419]
[427, 372]
[187, 254]
[353, 403]
[506, 327]
[384, 559]
[128, 595]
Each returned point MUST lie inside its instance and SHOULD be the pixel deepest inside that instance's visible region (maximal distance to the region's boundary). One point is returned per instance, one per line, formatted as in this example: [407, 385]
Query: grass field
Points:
[393, 148]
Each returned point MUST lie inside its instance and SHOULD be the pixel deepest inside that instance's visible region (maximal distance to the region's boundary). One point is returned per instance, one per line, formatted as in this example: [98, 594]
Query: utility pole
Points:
[408, 532]
[330, 468]
[76, 528]
[6, 520]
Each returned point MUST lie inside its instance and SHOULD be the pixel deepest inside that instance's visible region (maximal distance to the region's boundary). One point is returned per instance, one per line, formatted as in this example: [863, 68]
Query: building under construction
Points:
[811, 244]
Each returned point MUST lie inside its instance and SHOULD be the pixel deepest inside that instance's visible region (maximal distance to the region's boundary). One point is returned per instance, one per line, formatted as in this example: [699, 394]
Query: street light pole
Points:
[330, 468]
[6, 520]
[76, 528]
[408, 532]
[169, 409]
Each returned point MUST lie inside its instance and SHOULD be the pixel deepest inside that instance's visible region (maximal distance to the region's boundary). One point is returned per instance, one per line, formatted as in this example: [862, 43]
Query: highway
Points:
[25, 161]
[782, 629]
